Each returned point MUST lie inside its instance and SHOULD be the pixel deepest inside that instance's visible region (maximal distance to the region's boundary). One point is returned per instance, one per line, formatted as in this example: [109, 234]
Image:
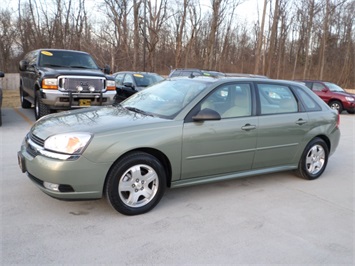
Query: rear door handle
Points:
[301, 122]
[248, 127]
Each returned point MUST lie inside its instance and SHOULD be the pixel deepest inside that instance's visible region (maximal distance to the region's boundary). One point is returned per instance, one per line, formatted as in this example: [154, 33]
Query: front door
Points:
[212, 148]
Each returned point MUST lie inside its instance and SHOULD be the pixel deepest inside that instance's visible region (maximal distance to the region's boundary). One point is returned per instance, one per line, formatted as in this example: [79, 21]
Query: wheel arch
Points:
[154, 152]
[325, 139]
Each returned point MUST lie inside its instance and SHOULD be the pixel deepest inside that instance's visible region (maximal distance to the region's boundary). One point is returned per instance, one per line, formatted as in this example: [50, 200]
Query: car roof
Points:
[62, 50]
[134, 72]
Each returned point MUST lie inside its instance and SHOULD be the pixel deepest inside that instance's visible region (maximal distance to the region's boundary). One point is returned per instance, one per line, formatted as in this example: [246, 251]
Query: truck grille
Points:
[82, 84]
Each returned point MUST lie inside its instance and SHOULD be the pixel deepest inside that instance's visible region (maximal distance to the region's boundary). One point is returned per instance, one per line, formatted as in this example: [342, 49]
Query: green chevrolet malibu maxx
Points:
[178, 132]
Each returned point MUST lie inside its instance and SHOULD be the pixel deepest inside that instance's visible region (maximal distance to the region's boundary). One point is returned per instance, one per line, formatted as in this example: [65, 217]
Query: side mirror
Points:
[128, 84]
[107, 69]
[325, 90]
[23, 65]
[207, 114]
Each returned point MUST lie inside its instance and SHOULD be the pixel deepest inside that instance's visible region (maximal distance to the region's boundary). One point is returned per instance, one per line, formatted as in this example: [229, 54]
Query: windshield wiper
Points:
[134, 109]
[79, 67]
[52, 65]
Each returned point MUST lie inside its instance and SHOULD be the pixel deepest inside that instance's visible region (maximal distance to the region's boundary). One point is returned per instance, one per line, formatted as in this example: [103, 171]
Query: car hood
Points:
[55, 72]
[93, 120]
[344, 93]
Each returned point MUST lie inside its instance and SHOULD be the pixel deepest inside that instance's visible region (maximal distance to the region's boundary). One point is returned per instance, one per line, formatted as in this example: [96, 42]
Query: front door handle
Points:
[248, 127]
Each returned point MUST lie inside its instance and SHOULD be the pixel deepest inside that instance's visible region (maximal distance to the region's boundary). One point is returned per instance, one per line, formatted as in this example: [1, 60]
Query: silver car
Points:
[179, 132]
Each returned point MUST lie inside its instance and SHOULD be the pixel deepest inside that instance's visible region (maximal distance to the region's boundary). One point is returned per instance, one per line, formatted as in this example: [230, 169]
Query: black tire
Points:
[351, 112]
[337, 105]
[40, 108]
[136, 183]
[314, 159]
[24, 103]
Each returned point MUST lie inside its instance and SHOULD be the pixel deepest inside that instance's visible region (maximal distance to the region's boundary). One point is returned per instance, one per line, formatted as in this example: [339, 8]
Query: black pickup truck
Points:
[57, 79]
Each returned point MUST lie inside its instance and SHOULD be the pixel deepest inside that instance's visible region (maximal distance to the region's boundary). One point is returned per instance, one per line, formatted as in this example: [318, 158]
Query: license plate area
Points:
[84, 102]
[21, 162]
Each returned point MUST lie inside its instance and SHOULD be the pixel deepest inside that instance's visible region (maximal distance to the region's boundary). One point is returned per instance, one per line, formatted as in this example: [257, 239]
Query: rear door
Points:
[282, 126]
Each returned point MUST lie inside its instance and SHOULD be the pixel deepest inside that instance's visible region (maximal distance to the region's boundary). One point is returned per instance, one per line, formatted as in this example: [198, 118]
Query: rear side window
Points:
[276, 99]
[309, 103]
[318, 86]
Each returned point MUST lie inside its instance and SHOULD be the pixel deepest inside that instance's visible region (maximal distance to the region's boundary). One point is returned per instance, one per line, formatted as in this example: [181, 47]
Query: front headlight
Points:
[111, 85]
[349, 99]
[50, 84]
[68, 143]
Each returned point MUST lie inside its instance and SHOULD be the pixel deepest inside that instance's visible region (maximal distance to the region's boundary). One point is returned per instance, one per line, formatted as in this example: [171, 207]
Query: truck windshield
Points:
[66, 59]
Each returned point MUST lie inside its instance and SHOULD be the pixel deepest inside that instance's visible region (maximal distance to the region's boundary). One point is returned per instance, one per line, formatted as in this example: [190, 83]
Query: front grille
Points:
[36, 139]
[82, 84]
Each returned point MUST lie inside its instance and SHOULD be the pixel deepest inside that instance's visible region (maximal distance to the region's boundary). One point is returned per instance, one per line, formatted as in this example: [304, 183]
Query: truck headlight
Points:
[50, 84]
[111, 85]
[68, 143]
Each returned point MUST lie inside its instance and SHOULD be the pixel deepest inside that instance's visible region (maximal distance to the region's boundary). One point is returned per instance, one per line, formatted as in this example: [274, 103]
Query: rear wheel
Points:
[24, 103]
[314, 159]
[40, 108]
[337, 105]
[136, 183]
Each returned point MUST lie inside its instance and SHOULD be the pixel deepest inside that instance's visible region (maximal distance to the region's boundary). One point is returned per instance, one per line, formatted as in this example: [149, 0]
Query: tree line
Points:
[300, 39]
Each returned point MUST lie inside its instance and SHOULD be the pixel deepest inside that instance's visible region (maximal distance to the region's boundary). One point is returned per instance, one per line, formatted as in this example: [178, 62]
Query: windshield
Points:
[165, 99]
[144, 80]
[66, 59]
[333, 87]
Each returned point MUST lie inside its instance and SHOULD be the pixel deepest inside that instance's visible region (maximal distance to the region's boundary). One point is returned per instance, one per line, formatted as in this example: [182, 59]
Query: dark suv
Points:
[55, 79]
[194, 72]
[333, 95]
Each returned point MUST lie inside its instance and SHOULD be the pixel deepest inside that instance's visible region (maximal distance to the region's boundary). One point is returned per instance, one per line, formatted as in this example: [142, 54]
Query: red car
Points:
[333, 95]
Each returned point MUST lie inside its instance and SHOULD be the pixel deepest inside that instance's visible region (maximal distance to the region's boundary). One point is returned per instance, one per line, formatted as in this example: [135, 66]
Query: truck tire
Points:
[24, 103]
[40, 108]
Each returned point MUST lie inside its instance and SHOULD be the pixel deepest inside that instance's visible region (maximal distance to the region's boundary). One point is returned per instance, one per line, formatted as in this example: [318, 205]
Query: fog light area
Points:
[51, 186]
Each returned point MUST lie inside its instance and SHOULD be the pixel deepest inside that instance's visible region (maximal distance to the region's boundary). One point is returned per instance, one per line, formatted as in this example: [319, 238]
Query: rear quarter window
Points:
[307, 101]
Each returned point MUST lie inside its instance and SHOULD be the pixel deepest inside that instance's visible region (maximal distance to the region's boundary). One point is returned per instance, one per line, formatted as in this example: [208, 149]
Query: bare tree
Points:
[260, 40]
[217, 16]
[158, 15]
[8, 33]
[273, 38]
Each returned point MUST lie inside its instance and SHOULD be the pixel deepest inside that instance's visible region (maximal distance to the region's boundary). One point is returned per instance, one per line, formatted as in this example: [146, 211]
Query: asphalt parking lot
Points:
[270, 219]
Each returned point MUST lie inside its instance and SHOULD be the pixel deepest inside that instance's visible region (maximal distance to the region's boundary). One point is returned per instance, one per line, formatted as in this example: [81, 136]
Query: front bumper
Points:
[60, 100]
[76, 179]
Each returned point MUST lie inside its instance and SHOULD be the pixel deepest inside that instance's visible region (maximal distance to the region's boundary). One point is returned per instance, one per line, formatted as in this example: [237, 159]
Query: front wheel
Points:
[314, 159]
[40, 108]
[136, 183]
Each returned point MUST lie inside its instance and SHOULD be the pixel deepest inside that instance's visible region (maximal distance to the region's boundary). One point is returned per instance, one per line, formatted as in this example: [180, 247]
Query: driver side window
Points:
[232, 100]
